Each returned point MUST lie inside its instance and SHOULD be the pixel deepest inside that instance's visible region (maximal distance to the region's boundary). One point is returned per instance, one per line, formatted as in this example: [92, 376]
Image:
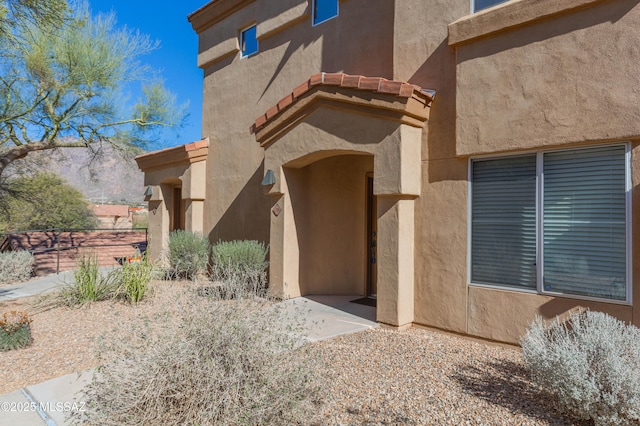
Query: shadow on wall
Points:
[439, 73]
[590, 17]
[351, 127]
[363, 49]
[243, 220]
[564, 306]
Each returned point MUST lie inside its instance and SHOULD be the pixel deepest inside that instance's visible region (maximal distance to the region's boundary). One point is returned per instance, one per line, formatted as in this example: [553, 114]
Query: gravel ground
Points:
[378, 377]
[422, 377]
[65, 339]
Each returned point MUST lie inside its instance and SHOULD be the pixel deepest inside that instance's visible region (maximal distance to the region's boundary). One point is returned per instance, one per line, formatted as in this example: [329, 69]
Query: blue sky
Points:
[176, 58]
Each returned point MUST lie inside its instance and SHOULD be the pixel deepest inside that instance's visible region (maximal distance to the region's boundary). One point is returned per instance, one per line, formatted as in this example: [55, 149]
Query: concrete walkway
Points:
[40, 285]
[50, 403]
[36, 286]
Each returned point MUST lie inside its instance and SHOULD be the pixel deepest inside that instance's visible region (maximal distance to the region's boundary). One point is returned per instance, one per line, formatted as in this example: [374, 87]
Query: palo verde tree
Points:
[43, 13]
[63, 74]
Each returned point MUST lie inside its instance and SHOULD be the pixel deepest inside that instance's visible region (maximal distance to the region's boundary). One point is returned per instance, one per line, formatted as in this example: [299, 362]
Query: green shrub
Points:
[590, 364]
[132, 280]
[15, 266]
[15, 331]
[222, 363]
[188, 254]
[89, 285]
[239, 268]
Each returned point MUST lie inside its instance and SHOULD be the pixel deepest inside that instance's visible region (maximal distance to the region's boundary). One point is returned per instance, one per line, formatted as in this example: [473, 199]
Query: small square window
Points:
[248, 41]
[323, 10]
[484, 4]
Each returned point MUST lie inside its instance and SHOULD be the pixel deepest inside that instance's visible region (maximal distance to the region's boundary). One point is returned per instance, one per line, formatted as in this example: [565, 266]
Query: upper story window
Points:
[477, 5]
[248, 41]
[323, 10]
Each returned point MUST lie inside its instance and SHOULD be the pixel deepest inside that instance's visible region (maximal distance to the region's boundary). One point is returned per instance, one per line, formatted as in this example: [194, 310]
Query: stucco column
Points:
[395, 260]
[194, 215]
[158, 232]
[284, 252]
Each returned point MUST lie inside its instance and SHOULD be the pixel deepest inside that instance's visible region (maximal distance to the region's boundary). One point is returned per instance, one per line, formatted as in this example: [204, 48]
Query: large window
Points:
[553, 222]
[477, 5]
[323, 10]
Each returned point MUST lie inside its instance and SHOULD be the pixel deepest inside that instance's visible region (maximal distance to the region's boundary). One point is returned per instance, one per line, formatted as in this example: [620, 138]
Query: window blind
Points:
[503, 227]
[584, 231]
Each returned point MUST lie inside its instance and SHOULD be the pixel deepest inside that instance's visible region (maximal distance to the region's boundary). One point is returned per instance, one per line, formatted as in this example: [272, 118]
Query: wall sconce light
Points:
[148, 192]
[269, 178]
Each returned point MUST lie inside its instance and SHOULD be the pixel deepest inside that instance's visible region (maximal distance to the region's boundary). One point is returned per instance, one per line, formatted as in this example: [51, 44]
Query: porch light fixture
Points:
[148, 192]
[269, 178]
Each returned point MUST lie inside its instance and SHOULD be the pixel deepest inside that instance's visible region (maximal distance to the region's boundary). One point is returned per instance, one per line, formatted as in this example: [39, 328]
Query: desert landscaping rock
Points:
[377, 377]
[422, 377]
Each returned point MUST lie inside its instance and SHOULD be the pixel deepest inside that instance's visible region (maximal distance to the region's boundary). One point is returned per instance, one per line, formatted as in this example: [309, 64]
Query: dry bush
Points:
[206, 362]
[590, 364]
[15, 266]
[239, 270]
[187, 254]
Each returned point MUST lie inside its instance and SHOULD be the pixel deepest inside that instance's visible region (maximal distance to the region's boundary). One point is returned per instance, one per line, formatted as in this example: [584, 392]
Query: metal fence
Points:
[62, 241]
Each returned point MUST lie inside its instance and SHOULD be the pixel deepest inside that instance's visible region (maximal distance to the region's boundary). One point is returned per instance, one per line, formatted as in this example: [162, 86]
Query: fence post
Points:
[58, 244]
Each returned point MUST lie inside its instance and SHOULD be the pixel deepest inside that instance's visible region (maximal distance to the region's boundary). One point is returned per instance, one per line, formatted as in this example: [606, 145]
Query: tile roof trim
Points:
[358, 82]
[204, 143]
[192, 152]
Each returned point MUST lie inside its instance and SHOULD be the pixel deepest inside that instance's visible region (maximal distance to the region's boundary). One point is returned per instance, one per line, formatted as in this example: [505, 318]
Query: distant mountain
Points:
[107, 178]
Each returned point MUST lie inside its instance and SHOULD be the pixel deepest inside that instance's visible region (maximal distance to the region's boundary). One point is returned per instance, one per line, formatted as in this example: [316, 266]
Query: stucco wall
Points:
[162, 179]
[237, 90]
[572, 78]
[564, 81]
[422, 56]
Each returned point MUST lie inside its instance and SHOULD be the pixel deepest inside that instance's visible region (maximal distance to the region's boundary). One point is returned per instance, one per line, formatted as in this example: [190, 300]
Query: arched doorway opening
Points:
[329, 204]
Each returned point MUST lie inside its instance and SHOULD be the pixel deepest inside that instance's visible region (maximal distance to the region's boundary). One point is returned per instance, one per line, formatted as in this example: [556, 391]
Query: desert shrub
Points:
[239, 268]
[132, 280]
[222, 363]
[88, 285]
[590, 364]
[15, 266]
[44, 201]
[188, 254]
[15, 331]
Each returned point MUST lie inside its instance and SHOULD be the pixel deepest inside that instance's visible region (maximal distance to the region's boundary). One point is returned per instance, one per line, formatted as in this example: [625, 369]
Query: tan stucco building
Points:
[470, 165]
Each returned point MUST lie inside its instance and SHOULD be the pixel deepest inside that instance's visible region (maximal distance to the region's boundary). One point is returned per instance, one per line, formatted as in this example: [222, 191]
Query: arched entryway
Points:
[175, 180]
[329, 205]
[320, 150]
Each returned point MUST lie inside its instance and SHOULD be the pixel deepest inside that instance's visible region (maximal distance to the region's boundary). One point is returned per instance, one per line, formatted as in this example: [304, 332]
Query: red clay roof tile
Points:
[359, 82]
[391, 87]
[301, 89]
[272, 112]
[285, 102]
[351, 81]
[193, 146]
[369, 83]
[316, 79]
[333, 79]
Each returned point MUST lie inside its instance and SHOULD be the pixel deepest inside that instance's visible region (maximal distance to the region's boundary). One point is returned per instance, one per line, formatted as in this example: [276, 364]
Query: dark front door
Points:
[372, 239]
[177, 213]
